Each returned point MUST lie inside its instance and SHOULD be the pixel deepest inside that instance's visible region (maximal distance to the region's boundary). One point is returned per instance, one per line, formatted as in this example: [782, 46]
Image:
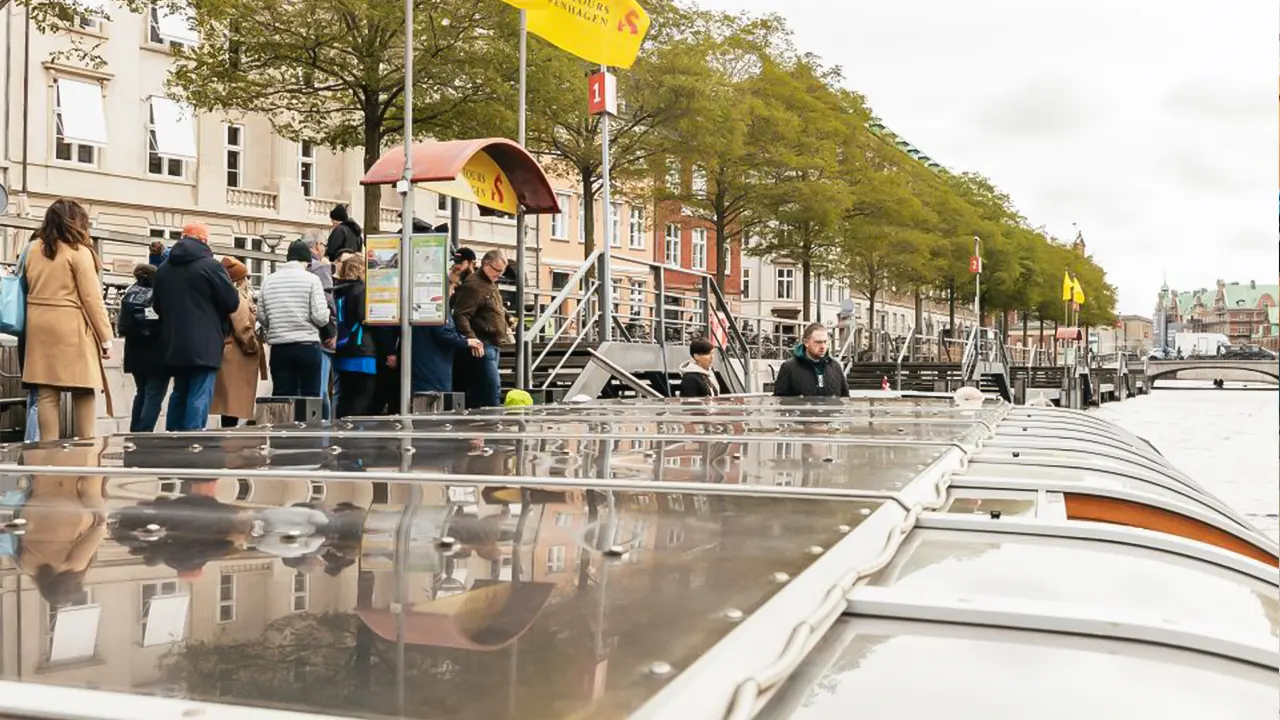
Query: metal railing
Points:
[906, 346]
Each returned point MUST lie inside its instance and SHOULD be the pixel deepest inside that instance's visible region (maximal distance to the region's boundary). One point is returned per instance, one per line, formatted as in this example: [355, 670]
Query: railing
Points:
[969, 360]
[388, 217]
[320, 207]
[252, 199]
[906, 345]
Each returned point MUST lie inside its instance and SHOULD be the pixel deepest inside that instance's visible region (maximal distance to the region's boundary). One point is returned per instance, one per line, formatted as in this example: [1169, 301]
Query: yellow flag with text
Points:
[1067, 286]
[607, 32]
[1077, 292]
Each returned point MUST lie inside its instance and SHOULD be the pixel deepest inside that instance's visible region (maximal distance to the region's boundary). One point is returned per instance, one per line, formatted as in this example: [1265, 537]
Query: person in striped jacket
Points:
[293, 309]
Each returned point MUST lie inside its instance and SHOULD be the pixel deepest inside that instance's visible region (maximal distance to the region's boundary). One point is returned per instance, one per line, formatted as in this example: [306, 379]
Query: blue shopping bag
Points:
[13, 298]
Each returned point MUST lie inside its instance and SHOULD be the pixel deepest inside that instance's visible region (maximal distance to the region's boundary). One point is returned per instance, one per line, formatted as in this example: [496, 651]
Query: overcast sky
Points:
[1152, 125]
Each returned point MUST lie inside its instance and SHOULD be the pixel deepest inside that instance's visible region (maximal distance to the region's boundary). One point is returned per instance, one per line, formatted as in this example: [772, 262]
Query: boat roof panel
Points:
[1095, 575]
[457, 602]
[871, 667]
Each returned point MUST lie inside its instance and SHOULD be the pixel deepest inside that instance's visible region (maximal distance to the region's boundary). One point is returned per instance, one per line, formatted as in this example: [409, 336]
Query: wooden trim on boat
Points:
[1132, 514]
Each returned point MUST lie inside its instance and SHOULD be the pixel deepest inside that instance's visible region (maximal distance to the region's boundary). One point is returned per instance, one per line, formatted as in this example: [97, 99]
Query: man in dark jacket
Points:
[697, 379]
[346, 236]
[479, 314]
[143, 350]
[811, 372]
[194, 298]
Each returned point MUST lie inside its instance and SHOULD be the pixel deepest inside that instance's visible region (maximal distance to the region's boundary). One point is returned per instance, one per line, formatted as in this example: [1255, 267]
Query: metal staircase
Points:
[986, 364]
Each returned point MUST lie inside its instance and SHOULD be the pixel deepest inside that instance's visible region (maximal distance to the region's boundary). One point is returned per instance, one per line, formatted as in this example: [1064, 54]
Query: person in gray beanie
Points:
[346, 236]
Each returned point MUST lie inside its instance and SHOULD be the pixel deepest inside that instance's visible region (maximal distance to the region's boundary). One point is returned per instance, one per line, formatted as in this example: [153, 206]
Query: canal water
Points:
[1227, 440]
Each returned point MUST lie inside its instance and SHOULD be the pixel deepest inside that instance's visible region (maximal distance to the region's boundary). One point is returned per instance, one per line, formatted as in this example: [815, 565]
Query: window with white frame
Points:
[244, 490]
[92, 19]
[637, 298]
[555, 559]
[226, 598]
[671, 254]
[675, 536]
[699, 260]
[173, 27]
[746, 283]
[615, 224]
[318, 490]
[559, 278]
[307, 167]
[635, 229]
[72, 629]
[564, 520]
[255, 265]
[151, 593]
[171, 234]
[699, 181]
[615, 293]
[442, 204]
[786, 283]
[560, 221]
[673, 176]
[171, 137]
[830, 291]
[79, 132]
[301, 591]
[235, 155]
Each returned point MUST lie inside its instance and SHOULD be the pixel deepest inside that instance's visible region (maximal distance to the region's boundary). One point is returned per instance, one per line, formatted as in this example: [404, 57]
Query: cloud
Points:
[1202, 172]
[1047, 106]
[1215, 100]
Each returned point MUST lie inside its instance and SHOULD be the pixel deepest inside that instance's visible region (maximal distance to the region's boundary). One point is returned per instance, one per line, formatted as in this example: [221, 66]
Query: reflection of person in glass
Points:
[65, 525]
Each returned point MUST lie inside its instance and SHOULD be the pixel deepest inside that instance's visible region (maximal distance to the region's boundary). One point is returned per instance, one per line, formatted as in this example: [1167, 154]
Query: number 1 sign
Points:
[602, 94]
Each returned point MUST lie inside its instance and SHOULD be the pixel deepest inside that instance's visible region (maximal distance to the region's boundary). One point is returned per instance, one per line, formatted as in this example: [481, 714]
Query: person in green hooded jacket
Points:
[811, 372]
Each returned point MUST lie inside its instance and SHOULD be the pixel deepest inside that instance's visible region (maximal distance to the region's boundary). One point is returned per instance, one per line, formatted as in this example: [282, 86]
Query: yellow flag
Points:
[1077, 292]
[607, 32]
[1066, 286]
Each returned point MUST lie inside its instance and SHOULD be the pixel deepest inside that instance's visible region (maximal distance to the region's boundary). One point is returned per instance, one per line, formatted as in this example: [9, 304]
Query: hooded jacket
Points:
[697, 382]
[801, 376]
[355, 350]
[345, 237]
[144, 343]
[194, 298]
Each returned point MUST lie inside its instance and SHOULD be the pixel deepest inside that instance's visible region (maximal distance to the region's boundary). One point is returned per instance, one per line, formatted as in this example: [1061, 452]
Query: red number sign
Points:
[602, 94]
[975, 264]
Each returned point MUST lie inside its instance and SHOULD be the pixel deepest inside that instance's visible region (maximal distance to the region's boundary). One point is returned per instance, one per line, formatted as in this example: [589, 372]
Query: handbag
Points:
[13, 297]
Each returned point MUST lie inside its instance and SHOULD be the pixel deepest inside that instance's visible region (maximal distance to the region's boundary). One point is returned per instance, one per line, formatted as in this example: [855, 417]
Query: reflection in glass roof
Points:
[285, 592]
[1091, 576]
[871, 666]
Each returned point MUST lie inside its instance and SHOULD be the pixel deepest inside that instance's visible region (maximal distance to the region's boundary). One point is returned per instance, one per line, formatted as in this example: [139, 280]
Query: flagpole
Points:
[521, 353]
[405, 356]
[606, 287]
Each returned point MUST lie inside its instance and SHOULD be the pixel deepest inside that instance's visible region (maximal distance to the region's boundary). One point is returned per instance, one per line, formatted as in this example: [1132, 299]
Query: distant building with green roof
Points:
[1241, 311]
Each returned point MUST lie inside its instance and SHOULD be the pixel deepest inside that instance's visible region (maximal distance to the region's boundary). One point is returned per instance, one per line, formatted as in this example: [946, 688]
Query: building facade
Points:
[1241, 311]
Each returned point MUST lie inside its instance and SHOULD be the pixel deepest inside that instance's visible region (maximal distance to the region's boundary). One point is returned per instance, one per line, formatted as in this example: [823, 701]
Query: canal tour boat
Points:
[881, 556]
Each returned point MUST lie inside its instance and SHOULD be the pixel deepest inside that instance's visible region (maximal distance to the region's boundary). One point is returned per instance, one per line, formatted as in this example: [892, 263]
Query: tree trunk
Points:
[1026, 317]
[1055, 342]
[873, 333]
[722, 242]
[951, 309]
[919, 321]
[372, 151]
[1040, 345]
[806, 277]
[587, 206]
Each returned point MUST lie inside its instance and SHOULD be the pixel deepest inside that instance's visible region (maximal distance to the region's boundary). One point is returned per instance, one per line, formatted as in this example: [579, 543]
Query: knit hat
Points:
[235, 269]
[298, 252]
[339, 214]
[144, 274]
[196, 230]
[518, 398]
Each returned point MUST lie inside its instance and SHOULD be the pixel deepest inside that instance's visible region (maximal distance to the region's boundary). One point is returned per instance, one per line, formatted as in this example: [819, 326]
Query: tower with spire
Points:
[1078, 244]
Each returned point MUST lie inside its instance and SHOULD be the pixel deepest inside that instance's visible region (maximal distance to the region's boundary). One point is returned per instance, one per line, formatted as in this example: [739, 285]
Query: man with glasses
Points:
[479, 314]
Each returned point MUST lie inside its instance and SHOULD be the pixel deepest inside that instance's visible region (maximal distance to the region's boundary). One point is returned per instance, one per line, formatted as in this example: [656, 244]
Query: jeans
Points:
[326, 402]
[33, 418]
[148, 398]
[295, 370]
[484, 384]
[190, 400]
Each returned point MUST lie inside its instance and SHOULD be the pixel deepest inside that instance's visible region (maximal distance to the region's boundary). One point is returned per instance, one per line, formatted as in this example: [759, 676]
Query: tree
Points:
[651, 95]
[332, 71]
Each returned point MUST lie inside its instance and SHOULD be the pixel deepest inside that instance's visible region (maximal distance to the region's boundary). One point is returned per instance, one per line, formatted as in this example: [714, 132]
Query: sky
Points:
[1151, 125]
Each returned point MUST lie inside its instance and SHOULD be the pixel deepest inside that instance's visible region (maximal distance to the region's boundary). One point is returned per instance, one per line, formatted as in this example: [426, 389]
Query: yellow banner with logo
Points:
[605, 32]
[481, 182]
[1077, 292]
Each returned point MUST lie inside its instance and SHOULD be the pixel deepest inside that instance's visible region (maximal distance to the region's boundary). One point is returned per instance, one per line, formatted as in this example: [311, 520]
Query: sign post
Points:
[427, 294]
[603, 102]
[975, 267]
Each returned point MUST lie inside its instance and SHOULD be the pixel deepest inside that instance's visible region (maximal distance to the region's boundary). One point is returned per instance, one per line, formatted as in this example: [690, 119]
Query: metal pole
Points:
[606, 282]
[521, 351]
[406, 216]
[977, 285]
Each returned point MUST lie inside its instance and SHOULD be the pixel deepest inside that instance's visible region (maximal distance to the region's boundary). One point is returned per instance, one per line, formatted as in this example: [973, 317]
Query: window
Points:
[746, 283]
[563, 520]
[235, 155]
[255, 265]
[640, 532]
[244, 490]
[559, 279]
[673, 245]
[615, 222]
[635, 229]
[830, 290]
[673, 176]
[173, 28]
[78, 134]
[675, 536]
[637, 298]
[442, 204]
[555, 559]
[301, 590]
[307, 167]
[582, 219]
[786, 283]
[226, 598]
[169, 487]
[676, 502]
[166, 234]
[171, 138]
[699, 181]
[699, 249]
[72, 629]
[153, 595]
[560, 221]
[317, 491]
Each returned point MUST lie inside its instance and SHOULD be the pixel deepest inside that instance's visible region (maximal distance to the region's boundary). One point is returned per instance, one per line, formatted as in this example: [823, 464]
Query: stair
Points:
[916, 377]
[996, 383]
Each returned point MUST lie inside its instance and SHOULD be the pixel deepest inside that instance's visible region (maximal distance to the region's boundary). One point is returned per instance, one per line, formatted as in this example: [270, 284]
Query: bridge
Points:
[1169, 369]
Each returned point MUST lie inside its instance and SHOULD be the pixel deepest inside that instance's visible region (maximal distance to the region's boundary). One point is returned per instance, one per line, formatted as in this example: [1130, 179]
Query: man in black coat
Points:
[346, 236]
[812, 372]
[194, 298]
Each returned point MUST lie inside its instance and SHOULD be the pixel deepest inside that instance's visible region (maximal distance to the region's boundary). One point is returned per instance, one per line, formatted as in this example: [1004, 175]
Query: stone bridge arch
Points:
[1169, 369]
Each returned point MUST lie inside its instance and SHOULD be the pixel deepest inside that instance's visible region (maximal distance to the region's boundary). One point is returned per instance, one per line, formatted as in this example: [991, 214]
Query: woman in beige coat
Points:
[235, 389]
[66, 522]
[68, 333]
